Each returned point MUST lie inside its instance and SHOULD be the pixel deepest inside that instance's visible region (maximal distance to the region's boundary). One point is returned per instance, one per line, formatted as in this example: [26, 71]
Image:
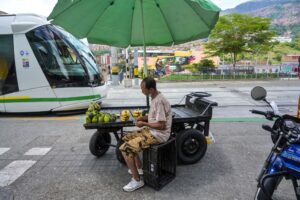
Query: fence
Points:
[199, 77]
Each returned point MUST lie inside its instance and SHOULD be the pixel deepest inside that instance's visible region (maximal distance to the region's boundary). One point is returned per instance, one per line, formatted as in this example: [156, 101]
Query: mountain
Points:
[2, 13]
[285, 14]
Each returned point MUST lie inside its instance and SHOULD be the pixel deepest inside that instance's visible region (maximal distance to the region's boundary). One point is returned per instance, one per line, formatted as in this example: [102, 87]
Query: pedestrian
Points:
[109, 71]
[155, 128]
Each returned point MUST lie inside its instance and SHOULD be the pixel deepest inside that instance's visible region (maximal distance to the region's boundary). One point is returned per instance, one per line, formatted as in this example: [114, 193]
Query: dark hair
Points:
[149, 83]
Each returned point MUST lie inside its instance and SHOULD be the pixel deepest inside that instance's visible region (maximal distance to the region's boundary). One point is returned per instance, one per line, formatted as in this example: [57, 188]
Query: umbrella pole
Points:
[145, 57]
[146, 74]
[144, 43]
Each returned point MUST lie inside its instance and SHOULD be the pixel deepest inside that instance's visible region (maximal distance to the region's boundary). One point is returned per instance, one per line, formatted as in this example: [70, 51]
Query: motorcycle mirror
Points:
[258, 93]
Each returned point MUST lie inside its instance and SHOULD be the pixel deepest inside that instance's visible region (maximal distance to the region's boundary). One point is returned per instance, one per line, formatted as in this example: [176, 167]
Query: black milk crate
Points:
[159, 164]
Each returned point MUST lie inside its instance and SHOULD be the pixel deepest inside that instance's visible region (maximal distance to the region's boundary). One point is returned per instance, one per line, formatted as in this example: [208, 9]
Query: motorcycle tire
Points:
[270, 185]
[99, 143]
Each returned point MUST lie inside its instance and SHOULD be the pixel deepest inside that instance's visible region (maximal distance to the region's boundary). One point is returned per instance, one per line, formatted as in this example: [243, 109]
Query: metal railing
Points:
[198, 76]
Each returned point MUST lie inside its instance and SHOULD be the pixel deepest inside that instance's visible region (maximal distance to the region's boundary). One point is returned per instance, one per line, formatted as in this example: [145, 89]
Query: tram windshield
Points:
[65, 61]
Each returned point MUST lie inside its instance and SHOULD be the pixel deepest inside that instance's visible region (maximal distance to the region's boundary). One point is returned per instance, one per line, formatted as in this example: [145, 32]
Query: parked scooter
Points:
[284, 158]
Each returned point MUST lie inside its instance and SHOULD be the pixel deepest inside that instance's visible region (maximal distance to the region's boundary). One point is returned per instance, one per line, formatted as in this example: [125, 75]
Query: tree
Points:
[206, 66]
[237, 33]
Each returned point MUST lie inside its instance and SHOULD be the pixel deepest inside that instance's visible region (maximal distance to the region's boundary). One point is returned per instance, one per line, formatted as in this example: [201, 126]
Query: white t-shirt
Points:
[160, 110]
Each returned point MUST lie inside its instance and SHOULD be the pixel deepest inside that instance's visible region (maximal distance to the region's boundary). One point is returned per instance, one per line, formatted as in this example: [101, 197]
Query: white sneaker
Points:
[133, 185]
[140, 171]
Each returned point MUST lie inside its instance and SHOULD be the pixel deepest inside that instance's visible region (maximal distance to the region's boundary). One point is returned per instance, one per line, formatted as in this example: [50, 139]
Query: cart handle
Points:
[200, 94]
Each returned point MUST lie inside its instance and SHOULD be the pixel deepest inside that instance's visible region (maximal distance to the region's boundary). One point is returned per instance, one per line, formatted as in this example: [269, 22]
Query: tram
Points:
[43, 68]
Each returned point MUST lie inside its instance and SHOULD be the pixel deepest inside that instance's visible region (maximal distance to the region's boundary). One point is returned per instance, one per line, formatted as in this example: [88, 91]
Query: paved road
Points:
[233, 98]
[48, 158]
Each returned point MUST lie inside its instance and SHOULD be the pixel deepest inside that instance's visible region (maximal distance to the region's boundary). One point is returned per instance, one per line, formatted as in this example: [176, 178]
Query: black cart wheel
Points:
[119, 153]
[191, 146]
[99, 143]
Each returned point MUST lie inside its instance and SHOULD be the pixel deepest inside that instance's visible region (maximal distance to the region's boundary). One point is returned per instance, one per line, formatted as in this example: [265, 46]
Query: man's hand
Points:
[155, 125]
[140, 124]
[143, 118]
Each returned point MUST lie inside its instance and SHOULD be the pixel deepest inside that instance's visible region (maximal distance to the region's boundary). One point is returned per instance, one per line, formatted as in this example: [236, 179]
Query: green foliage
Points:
[207, 63]
[204, 66]
[150, 72]
[191, 67]
[284, 49]
[237, 33]
[101, 52]
[295, 44]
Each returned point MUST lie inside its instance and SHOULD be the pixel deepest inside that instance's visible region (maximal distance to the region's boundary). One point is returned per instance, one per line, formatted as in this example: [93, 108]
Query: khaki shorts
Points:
[136, 141]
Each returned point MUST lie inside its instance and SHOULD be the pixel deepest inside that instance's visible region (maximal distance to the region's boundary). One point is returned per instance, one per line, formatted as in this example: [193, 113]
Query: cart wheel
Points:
[99, 143]
[191, 146]
[119, 153]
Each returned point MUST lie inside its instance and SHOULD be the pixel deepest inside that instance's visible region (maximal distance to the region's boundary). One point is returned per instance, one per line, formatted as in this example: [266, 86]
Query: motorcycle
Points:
[284, 158]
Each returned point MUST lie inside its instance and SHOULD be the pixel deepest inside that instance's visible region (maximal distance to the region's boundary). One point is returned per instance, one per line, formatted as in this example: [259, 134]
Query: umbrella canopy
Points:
[124, 23]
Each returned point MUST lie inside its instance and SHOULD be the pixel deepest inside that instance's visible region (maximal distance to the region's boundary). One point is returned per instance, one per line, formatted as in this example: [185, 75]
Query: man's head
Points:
[148, 86]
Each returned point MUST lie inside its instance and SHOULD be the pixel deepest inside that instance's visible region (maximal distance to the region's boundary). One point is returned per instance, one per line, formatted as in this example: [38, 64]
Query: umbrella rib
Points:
[166, 22]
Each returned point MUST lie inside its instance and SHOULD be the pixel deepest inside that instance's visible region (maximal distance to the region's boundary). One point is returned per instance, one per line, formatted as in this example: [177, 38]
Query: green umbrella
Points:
[124, 23]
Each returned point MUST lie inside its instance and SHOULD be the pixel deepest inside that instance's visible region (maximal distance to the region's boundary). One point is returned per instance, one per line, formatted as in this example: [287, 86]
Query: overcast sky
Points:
[44, 7]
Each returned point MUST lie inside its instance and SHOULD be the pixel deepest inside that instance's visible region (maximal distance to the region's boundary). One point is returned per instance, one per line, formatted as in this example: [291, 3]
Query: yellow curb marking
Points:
[47, 118]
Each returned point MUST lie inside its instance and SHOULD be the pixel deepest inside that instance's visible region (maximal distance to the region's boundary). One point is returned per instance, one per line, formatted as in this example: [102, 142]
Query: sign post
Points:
[298, 113]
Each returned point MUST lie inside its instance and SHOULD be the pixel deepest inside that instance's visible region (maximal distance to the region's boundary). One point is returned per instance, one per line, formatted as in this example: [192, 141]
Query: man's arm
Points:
[161, 125]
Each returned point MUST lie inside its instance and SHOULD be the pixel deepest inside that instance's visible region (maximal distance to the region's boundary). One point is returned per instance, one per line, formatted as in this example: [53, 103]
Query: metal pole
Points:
[144, 44]
[114, 61]
[145, 58]
[136, 63]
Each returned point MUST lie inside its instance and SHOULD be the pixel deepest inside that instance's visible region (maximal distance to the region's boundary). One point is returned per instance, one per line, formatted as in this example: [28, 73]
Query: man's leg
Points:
[138, 162]
[130, 161]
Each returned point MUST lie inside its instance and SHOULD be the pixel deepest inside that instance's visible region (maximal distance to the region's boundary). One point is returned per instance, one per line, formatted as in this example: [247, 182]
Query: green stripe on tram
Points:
[61, 99]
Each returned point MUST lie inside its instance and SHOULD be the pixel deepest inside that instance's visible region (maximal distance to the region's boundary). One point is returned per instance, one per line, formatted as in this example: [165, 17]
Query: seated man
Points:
[156, 129]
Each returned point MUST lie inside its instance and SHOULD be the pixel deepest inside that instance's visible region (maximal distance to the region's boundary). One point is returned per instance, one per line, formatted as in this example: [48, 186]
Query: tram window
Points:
[58, 60]
[8, 76]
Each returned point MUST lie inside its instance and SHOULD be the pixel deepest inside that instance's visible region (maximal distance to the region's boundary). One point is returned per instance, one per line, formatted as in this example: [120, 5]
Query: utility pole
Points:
[298, 67]
[114, 69]
[136, 67]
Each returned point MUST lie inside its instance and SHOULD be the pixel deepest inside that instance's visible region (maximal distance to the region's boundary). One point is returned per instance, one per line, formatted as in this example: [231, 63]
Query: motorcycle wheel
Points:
[270, 185]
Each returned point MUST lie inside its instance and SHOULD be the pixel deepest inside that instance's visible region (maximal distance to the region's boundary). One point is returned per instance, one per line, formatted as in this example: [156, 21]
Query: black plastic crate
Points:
[159, 164]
